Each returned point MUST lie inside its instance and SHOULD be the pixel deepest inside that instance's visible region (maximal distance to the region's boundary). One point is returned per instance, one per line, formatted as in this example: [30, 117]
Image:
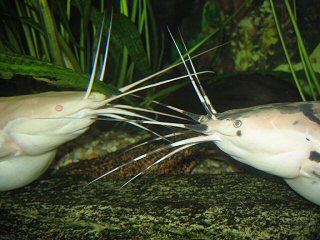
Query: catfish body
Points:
[281, 139]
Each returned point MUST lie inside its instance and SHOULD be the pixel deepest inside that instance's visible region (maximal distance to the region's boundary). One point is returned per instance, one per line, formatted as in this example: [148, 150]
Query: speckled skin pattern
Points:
[281, 139]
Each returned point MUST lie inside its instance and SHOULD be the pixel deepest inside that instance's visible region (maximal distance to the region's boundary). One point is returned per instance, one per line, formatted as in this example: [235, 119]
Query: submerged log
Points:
[224, 206]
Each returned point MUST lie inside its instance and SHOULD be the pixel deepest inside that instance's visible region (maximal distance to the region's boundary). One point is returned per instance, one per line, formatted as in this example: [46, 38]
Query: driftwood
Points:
[226, 206]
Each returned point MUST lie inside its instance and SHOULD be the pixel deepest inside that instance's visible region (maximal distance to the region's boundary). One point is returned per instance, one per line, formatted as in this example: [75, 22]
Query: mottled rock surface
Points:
[224, 206]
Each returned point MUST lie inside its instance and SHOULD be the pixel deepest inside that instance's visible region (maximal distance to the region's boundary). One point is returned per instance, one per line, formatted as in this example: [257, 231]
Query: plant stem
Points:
[51, 32]
[286, 51]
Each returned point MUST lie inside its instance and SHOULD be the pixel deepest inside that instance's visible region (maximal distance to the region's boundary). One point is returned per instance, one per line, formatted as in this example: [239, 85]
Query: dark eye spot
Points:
[295, 122]
[314, 156]
[58, 108]
[239, 133]
[237, 123]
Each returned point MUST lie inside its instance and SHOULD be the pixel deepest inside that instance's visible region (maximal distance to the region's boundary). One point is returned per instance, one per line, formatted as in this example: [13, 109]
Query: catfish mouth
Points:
[97, 100]
[226, 134]
[200, 128]
[81, 130]
[97, 97]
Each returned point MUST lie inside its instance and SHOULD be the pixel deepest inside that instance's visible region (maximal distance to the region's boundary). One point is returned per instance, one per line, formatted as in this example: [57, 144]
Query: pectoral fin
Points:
[307, 187]
[7, 147]
[308, 183]
[316, 171]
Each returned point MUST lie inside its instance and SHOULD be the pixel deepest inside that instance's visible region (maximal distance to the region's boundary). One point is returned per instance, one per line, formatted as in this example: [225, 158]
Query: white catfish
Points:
[282, 139]
[33, 126]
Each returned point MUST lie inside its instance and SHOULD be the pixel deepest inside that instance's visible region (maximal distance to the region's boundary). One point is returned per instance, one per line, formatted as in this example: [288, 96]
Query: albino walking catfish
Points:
[33, 126]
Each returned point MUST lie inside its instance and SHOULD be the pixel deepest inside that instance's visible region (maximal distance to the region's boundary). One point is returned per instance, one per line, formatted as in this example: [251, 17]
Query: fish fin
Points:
[316, 171]
[307, 187]
[307, 184]
[7, 146]
[311, 166]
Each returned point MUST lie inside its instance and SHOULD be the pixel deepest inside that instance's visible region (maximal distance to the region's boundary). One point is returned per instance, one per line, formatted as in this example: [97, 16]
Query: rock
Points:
[224, 206]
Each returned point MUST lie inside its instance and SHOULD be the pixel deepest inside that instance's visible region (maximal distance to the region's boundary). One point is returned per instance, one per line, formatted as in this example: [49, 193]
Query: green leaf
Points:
[14, 64]
[124, 34]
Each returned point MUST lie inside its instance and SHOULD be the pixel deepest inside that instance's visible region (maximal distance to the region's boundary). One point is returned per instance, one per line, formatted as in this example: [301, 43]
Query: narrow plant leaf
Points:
[125, 34]
[286, 51]
[51, 32]
[304, 53]
[131, 39]
[13, 64]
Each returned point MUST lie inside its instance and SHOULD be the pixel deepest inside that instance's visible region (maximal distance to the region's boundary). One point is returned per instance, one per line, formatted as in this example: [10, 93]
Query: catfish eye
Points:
[58, 108]
[237, 123]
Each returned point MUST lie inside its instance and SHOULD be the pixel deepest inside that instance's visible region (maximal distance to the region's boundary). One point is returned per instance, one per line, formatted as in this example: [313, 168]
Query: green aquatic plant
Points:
[213, 24]
[308, 82]
[27, 66]
[65, 33]
[253, 40]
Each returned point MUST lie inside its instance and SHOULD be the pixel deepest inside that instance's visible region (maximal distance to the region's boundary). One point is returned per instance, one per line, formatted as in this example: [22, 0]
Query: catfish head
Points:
[38, 123]
[281, 139]
[32, 127]
[275, 138]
